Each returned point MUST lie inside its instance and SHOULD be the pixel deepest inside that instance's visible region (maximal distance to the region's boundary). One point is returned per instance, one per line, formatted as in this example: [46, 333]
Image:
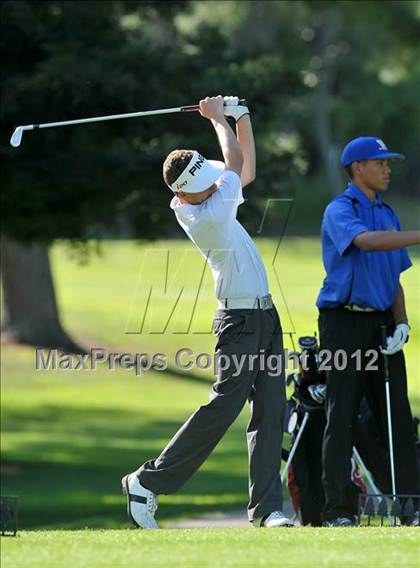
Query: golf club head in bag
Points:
[310, 374]
[309, 384]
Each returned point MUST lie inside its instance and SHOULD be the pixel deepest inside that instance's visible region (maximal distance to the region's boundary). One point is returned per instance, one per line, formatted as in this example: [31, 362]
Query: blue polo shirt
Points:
[368, 279]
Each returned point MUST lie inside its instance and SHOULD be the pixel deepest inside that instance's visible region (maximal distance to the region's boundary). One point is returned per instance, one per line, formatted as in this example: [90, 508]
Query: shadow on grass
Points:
[66, 464]
[190, 376]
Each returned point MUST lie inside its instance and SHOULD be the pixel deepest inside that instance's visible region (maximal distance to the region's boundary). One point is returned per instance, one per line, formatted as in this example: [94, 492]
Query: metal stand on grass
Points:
[370, 504]
[9, 515]
[402, 505]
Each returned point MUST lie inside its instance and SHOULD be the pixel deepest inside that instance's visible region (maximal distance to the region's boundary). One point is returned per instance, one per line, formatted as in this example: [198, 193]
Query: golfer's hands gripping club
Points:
[234, 109]
[212, 108]
[396, 342]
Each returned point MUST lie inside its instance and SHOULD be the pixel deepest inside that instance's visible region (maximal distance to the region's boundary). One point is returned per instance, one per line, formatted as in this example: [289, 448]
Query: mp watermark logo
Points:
[197, 166]
[185, 359]
[175, 286]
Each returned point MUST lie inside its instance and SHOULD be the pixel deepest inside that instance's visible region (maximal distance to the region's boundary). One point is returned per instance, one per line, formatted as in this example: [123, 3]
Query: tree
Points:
[316, 73]
[32, 317]
[67, 60]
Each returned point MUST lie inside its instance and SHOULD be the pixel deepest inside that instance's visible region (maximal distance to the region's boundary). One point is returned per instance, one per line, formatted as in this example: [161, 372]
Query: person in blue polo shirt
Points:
[364, 254]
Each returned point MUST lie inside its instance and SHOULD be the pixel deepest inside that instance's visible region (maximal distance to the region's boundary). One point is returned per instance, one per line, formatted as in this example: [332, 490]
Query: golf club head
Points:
[293, 378]
[16, 138]
[318, 393]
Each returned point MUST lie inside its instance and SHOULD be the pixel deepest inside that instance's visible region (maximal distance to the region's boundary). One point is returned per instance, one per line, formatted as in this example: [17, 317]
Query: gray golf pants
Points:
[240, 332]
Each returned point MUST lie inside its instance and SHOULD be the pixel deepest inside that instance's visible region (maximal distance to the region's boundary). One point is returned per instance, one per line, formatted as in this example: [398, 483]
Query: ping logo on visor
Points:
[200, 174]
[200, 161]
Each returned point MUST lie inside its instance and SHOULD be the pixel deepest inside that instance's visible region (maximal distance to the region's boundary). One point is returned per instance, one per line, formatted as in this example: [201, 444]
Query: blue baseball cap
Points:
[366, 148]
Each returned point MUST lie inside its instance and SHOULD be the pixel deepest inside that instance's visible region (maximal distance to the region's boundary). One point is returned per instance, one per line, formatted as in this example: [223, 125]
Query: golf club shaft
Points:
[295, 445]
[110, 117]
[388, 411]
[188, 108]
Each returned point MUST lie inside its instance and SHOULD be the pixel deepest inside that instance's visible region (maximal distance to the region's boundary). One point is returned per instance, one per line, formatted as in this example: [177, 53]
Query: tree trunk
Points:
[329, 151]
[29, 304]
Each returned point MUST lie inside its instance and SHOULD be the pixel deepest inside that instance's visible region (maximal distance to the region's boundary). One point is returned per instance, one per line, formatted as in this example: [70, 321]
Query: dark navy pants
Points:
[341, 329]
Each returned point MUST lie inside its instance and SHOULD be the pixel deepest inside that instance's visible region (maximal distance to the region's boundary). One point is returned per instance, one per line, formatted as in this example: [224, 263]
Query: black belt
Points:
[356, 308]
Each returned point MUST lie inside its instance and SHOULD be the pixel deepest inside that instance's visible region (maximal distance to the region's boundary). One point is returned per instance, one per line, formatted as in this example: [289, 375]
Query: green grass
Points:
[68, 437]
[104, 301]
[226, 548]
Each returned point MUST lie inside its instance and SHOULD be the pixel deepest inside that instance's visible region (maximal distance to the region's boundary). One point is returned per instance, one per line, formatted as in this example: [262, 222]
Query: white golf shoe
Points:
[274, 520]
[141, 503]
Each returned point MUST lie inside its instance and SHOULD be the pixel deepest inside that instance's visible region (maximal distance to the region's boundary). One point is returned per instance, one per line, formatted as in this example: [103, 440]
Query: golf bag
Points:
[306, 421]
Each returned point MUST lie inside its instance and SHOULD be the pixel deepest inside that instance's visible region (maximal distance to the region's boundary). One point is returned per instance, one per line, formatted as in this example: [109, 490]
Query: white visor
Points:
[200, 174]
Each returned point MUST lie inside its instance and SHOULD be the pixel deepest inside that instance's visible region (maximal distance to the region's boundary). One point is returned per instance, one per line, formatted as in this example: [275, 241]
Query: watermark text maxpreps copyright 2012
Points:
[186, 360]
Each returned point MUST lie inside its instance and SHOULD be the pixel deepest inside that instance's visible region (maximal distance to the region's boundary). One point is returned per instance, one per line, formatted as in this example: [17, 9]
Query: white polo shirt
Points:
[236, 265]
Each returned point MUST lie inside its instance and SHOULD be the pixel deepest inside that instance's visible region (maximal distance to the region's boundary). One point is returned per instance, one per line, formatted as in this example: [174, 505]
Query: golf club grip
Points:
[195, 108]
[385, 356]
[383, 336]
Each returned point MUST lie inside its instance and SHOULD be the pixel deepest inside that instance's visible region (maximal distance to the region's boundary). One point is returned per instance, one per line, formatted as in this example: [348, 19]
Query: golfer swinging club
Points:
[207, 196]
